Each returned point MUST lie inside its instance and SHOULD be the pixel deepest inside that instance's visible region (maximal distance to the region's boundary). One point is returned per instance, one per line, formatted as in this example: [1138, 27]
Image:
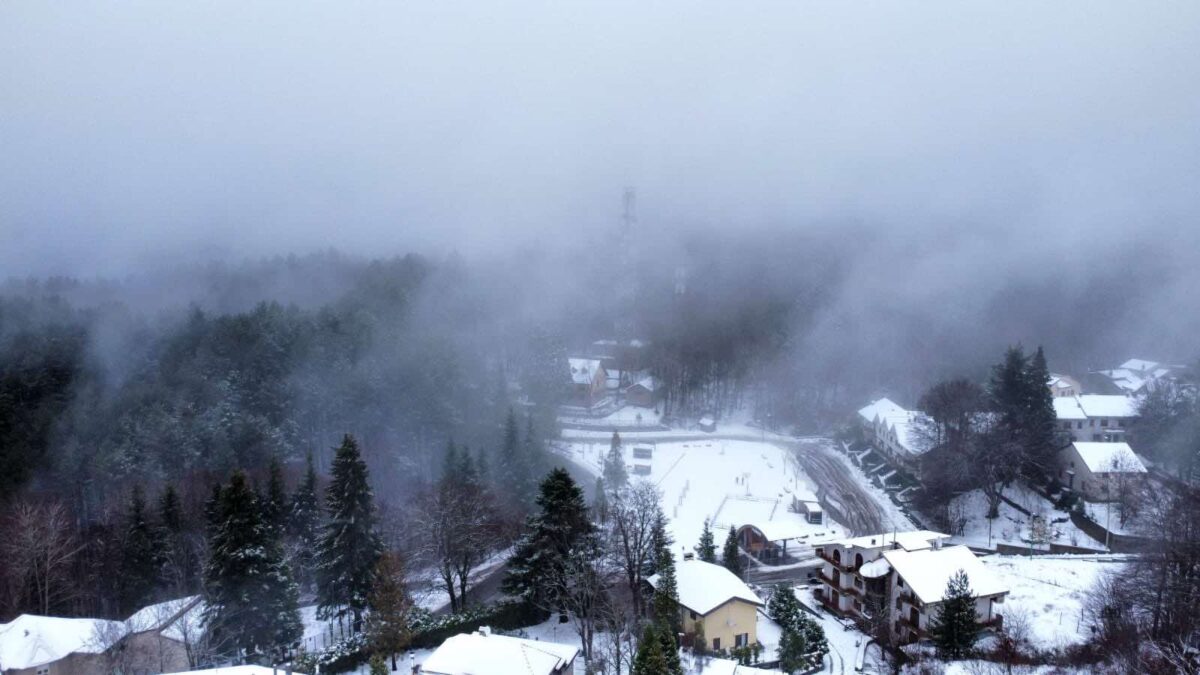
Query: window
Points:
[716, 644]
[1067, 424]
[43, 671]
[694, 617]
[741, 640]
[1104, 422]
[1091, 423]
[900, 582]
[1079, 424]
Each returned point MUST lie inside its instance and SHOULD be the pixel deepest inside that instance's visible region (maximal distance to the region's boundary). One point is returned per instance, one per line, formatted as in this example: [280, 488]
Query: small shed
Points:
[643, 452]
[811, 510]
[707, 423]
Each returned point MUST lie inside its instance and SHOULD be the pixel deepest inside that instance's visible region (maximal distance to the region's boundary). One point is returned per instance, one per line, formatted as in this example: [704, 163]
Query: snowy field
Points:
[1048, 593]
[724, 480]
[1013, 527]
[627, 416]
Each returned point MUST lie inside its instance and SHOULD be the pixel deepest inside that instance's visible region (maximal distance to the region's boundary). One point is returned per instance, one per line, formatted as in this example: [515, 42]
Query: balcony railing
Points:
[915, 628]
[996, 622]
[839, 565]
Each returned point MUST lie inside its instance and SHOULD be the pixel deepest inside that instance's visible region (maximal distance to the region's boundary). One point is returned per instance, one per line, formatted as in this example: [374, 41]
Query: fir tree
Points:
[179, 563]
[1039, 419]
[251, 600]
[731, 556]
[481, 466]
[669, 641]
[142, 556]
[707, 548]
[349, 546]
[1008, 389]
[170, 513]
[560, 524]
[955, 627]
[304, 525]
[274, 502]
[792, 651]
[650, 659]
[615, 475]
[666, 589]
[783, 607]
[389, 625]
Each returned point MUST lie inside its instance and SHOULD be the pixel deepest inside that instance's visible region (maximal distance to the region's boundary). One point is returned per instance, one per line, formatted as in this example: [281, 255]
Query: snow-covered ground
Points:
[1108, 515]
[845, 640]
[1012, 526]
[1048, 594]
[898, 520]
[723, 480]
[626, 416]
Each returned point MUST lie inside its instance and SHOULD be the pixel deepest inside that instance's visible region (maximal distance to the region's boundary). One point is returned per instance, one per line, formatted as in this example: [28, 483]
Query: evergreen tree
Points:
[560, 524]
[251, 601]
[142, 556]
[482, 468]
[1008, 389]
[1039, 419]
[532, 454]
[170, 513]
[670, 648]
[349, 546]
[814, 639]
[707, 548]
[274, 502]
[666, 589]
[615, 475]
[304, 525]
[650, 659]
[600, 501]
[955, 627]
[730, 556]
[783, 607]
[792, 651]
[179, 563]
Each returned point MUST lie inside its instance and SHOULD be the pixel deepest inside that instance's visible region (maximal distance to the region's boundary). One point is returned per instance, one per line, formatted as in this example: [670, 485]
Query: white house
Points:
[52, 645]
[891, 430]
[903, 575]
[1094, 469]
[1096, 417]
[1063, 385]
[1139, 376]
[485, 653]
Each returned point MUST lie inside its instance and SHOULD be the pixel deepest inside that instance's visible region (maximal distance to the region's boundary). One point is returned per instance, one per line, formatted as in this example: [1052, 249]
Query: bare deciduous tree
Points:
[40, 546]
[633, 513]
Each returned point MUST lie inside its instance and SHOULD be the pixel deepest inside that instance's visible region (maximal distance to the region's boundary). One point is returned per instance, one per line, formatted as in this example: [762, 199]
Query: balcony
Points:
[840, 566]
[912, 627]
[827, 581]
[995, 623]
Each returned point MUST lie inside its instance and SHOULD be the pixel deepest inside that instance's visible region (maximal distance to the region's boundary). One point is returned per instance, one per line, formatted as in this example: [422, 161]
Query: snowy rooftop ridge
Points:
[928, 571]
[884, 407]
[29, 640]
[485, 652]
[583, 370]
[236, 670]
[704, 587]
[1084, 406]
[1109, 457]
[913, 540]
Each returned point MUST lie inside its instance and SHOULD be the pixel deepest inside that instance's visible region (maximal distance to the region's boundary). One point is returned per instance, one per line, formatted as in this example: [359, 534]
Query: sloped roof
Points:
[704, 587]
[913, 540]
[160, 615]
[583, 370]
[29, 641]
[927, 572]
[1102, 405]
[487, 654]
[884, 407]
[1068, 408]
[1109, 457]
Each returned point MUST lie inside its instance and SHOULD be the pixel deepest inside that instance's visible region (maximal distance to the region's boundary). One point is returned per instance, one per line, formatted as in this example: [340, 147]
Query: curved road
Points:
[839, 490]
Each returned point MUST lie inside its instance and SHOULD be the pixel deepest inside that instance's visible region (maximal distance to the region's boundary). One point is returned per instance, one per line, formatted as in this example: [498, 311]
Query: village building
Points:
[485, 653]
[891, 430]
[160, 638]
[1137, 377]
[1096, 418]
[900, 579]
[1096, 469]
[1064, 385]
[714, 603]
[51, 645]
[645, 393]
[239, 670]
[589, 381]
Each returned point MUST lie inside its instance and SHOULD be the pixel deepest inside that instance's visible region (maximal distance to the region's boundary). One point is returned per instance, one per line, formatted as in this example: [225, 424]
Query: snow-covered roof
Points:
[648, 383]
[926, 572]
[1068, 408]
[875, 569]
[779, 530]
[1139, 364]
[583, 370]
[159, 616]
[483, 653]
[1109, 457]
[913, 540]
[884, 407]
[704, 587]
[235, 670]
[29, 641]
[1107, 405]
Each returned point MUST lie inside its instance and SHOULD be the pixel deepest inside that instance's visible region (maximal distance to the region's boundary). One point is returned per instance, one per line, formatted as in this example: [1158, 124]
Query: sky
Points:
[137, 132]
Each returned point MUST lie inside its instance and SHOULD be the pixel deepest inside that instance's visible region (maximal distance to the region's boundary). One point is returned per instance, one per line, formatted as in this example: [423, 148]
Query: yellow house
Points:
[716, 604]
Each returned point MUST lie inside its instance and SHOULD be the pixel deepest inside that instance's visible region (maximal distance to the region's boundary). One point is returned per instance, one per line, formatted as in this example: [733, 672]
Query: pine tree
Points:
[481, 466]
[274, 502]
[1039, 419]
[615, 475]
[731, 556]
[560, 525]
[1008, 389]
[533, 455]
[666, 589]
[792, 651]
[304, 525]
[783, 607]
[650, 659]
[170, 513]
[251, 601]
[142, 556]
[707, 548]
[669, 643]
[955, 627]
[814, 639]
[180, 565]
[349, 546]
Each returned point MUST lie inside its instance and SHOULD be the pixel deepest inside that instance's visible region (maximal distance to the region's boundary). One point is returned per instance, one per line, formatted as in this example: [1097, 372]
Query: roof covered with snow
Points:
[1109, 457]
[779, 530]
[927, 572]
[704, 587]
[649, 383]
[884, 407]
[913, 540]
[875, 569]
[583, 371]
[29, 641]
[161, 615]
[1068, 408]
[483, 653]
[1106, 405]
[236, 670]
